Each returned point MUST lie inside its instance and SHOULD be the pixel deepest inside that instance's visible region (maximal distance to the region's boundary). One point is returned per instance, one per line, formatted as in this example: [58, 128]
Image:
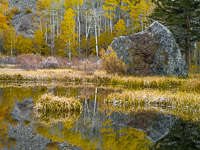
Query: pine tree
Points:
[182, 17]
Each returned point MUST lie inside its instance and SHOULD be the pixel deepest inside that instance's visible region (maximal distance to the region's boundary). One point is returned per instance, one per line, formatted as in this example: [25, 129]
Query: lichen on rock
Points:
[151, 52]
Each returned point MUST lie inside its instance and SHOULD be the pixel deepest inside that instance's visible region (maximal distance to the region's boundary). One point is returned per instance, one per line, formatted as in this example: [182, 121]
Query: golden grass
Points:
[48, 103]
[100, 77]
[182, 104]
[55, 117]
[187, 114]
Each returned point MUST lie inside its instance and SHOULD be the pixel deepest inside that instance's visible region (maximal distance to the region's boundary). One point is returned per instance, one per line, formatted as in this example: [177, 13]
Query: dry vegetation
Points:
[181, 104]
[111, 63]
[101, 77]
[55, 117]
[49, 103]
[52, 109]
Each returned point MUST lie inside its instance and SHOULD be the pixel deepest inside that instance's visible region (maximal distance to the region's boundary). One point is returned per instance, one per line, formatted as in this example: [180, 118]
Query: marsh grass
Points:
[55, 117]
[181, 104]
[50, 105]
[185, 114]
[102, 78]
[99, 77]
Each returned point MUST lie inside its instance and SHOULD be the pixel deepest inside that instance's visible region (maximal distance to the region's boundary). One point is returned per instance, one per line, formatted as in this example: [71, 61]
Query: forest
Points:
[100, 74]
[82, 28]
[71, 28]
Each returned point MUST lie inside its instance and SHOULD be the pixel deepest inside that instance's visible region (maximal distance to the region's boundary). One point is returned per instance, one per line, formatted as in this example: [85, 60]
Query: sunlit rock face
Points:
[151, 52]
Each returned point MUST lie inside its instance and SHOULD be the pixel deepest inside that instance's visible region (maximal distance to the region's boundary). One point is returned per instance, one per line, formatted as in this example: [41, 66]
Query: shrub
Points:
[29, 61]
[111, 63]
[7, 60]
[28, 11]
[87, 66]
[63, 62]
[15, 10]
[50, 62]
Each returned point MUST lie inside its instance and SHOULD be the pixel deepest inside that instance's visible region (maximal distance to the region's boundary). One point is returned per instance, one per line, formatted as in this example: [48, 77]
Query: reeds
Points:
[181, 104]
[55, 117]
[101, 78]
[48, 104]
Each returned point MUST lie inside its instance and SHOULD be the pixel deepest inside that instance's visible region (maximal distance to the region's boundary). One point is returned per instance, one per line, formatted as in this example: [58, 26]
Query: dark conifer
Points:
[182, 17]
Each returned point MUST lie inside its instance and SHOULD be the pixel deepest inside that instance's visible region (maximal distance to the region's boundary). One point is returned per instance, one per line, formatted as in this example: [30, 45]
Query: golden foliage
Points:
[111, 63]
[3, 22]
[120, 27]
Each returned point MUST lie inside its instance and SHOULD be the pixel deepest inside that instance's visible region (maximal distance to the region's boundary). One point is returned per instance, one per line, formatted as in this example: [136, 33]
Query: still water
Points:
[97, 127]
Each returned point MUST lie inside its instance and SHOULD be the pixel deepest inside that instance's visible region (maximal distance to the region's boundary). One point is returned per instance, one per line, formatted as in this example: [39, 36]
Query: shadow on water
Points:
[95, 128]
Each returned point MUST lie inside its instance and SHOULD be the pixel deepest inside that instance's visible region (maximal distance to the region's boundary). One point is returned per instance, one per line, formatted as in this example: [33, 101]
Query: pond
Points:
[96, 127]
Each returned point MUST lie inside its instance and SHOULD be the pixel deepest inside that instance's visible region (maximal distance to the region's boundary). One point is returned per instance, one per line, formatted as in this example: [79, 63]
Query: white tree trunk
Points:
[70, 55]
[95, 28]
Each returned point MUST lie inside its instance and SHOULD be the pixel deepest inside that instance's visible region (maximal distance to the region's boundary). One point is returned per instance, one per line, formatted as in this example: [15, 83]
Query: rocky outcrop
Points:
[151, 52]
[23, 22]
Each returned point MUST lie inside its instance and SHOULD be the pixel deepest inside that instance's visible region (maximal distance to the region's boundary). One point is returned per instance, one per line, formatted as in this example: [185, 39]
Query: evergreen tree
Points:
[182, 18]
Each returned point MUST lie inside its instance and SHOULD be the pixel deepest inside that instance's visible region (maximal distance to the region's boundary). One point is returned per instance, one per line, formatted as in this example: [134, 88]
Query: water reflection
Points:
[96, 127]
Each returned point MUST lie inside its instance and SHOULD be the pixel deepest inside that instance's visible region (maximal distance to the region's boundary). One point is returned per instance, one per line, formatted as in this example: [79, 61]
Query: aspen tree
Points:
[38, 41]
[110, 7]
[10, 40]
[68, 33]
[120, 27]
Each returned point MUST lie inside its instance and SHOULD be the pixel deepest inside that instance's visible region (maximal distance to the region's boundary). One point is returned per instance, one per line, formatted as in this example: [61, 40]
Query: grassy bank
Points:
[182, 104]
[100, 77]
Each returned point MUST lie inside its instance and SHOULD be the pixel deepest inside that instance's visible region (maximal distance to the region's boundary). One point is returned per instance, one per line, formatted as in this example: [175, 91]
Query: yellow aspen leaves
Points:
[120, 27]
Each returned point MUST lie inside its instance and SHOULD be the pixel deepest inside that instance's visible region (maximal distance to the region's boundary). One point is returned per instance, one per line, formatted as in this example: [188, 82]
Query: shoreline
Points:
[100, 78]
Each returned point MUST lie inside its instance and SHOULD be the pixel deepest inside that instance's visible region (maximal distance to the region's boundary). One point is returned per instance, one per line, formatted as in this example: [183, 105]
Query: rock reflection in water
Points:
[96, 127]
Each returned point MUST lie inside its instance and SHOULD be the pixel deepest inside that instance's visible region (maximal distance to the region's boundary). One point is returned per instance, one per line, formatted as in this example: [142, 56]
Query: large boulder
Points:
[151, 52]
